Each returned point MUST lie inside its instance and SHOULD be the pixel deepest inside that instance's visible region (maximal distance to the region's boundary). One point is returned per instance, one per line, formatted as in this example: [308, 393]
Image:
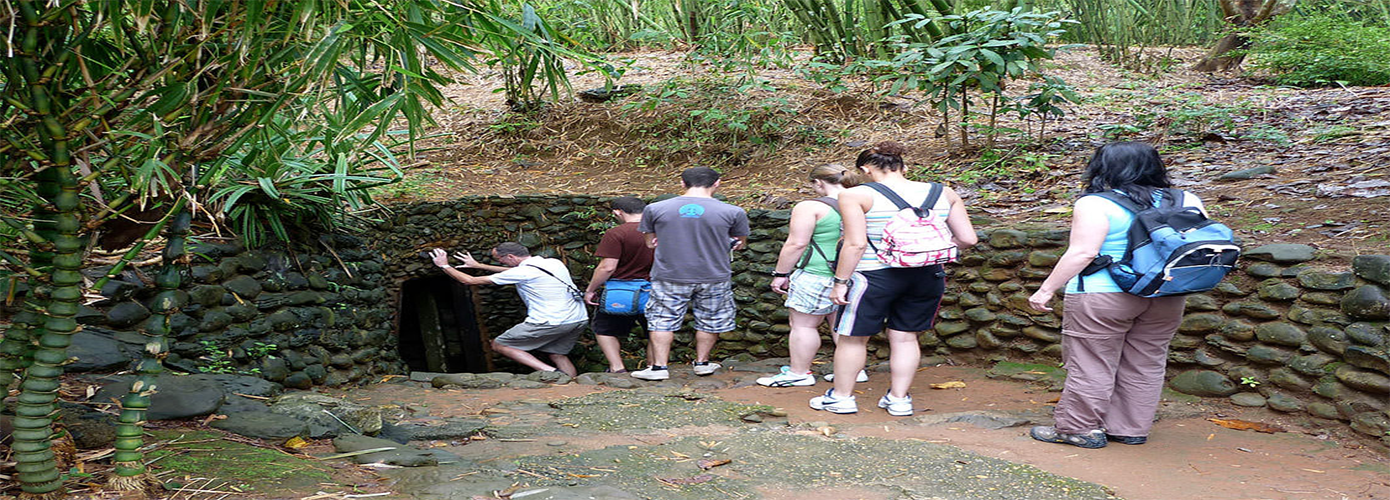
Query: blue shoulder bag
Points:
[625, 297]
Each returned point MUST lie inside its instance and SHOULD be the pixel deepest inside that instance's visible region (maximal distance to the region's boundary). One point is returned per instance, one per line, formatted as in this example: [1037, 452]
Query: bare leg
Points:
[704, 343]
[804, 340]
[849, 359]
[659, 350]
[612, 351]
[562, 363]
[522, 357]
[904, 355]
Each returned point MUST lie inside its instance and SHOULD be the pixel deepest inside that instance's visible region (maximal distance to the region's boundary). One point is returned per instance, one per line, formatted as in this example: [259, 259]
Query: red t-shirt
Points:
[629, 246]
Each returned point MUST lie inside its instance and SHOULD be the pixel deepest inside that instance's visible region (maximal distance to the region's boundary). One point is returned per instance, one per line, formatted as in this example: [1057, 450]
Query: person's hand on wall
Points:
[440, 257]
[467, 259]
[1040, 299]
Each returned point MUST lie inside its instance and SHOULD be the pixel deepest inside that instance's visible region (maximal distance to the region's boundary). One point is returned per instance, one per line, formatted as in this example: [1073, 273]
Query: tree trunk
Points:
[1240, 14]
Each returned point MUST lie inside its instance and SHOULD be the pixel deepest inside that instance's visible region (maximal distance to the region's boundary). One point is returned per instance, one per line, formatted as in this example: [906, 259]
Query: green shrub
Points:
[1318, 50]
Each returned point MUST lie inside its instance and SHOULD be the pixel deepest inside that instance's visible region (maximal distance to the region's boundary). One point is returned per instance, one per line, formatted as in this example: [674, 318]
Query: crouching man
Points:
[555, 315]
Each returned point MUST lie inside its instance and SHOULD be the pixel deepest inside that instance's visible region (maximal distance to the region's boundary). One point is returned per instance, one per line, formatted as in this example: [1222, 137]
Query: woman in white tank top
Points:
[899, 300]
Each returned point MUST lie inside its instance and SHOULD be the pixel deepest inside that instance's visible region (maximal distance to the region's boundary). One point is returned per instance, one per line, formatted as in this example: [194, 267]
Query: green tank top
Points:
[827, 237]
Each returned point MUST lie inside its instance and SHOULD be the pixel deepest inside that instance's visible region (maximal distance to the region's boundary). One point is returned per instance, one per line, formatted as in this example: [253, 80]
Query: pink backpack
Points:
[913, 237]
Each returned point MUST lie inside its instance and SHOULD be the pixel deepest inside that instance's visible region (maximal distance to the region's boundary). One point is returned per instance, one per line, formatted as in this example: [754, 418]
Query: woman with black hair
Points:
[899, 300]
[1114, 344]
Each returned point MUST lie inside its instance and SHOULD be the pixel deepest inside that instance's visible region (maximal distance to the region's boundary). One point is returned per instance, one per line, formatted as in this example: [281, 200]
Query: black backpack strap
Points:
[806, 257]
[1121, 200]
[1177, 195]
[932, 196]
[834, 203]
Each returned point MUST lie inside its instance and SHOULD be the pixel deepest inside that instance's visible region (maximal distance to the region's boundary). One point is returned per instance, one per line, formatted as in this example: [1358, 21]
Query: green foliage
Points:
[847, 30]
[531, 56]
[219, 359]
[712, 110]
[1125, 33]
[297, 177]
[1321, 50]
[1174, 111]
[737, 35]
[989, 48]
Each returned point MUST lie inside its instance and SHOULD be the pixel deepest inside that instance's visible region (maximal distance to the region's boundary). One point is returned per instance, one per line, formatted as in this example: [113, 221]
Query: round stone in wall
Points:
[1205, 383]
[1367, 302]
[1283, 253]
[1372, 268]
[1248, 399]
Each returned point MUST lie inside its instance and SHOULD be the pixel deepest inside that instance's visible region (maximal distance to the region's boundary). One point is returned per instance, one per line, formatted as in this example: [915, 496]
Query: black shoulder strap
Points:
[1177, 195]
[922, 211]
[1120, 200]
[552, 275]
[806, 257]
[834, 203]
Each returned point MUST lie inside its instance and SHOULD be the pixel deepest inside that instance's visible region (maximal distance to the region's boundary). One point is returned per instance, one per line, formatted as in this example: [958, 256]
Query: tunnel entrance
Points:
[439, 327]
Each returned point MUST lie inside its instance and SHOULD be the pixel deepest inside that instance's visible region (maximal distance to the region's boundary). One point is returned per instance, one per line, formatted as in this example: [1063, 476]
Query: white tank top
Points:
[884, 209]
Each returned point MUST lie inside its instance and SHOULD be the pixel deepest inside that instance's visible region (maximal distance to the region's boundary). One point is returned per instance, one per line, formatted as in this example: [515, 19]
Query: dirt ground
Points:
[1187, 456]
[1329, 149]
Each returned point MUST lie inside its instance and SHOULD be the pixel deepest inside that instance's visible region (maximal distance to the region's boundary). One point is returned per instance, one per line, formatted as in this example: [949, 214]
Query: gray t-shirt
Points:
[693, 238]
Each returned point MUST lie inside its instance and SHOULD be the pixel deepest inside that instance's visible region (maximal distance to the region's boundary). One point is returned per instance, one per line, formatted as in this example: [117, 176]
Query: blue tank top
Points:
[1116, 239]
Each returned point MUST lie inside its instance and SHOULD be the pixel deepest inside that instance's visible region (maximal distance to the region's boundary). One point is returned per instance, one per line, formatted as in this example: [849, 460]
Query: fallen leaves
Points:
[710, 464]
[954, 384]
[1246, 425]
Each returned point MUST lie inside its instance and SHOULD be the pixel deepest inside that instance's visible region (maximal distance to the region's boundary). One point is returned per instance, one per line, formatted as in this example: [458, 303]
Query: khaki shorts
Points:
[553, 339]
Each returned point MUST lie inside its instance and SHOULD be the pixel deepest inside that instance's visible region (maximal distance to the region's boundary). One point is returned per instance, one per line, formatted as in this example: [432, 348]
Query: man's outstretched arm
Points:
[441, 259]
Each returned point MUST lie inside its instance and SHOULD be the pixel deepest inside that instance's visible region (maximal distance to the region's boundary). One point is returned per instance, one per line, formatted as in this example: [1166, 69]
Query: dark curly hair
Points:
[886, 155]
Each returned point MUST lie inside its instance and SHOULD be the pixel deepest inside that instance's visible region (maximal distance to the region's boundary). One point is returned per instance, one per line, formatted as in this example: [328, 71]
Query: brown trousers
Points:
[1115, 346]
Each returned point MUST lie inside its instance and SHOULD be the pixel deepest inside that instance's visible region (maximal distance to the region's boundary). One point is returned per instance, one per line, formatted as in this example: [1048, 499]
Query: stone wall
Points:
[1287, 331]
[315, 316]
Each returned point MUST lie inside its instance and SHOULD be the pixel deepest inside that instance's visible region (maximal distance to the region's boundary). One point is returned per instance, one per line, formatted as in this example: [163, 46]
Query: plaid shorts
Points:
[810, 293]
[712, 304]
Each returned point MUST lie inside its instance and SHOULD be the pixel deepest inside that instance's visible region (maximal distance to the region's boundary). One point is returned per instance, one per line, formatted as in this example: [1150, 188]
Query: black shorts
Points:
[904, 299]
[613, 325]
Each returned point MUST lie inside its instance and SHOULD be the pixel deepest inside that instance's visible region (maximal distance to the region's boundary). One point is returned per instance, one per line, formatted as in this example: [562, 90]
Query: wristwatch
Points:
[839, 281]
[776, 274]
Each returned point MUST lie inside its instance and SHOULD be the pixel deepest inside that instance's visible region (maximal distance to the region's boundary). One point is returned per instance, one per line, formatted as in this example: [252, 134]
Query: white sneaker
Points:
[706, 369]
[898, 407]
[788, 379]
[834, 404]
[863, 376]
[652, 373]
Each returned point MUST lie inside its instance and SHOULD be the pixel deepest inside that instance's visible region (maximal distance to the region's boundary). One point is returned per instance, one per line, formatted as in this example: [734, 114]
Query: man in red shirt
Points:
[625, 256]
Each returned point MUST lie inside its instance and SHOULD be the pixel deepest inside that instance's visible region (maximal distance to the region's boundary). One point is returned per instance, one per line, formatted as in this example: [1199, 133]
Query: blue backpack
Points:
[1172, 249]
[625, 297]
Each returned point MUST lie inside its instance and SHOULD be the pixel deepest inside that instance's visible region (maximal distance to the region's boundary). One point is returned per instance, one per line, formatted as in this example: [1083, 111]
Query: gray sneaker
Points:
[1048, 434]
[706, 369]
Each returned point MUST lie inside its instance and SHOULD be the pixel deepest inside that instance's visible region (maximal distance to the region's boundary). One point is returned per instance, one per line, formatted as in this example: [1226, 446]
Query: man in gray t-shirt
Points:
[694, 236]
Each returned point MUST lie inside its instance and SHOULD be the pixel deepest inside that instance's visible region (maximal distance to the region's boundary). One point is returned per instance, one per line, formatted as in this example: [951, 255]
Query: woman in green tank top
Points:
[804, 271]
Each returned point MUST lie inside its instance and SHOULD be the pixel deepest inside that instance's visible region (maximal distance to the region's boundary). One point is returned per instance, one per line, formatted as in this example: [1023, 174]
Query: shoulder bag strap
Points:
[557, 278]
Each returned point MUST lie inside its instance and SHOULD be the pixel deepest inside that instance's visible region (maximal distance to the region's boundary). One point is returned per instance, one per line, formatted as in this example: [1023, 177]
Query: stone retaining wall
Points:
[1287, 331]
[313, 317]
